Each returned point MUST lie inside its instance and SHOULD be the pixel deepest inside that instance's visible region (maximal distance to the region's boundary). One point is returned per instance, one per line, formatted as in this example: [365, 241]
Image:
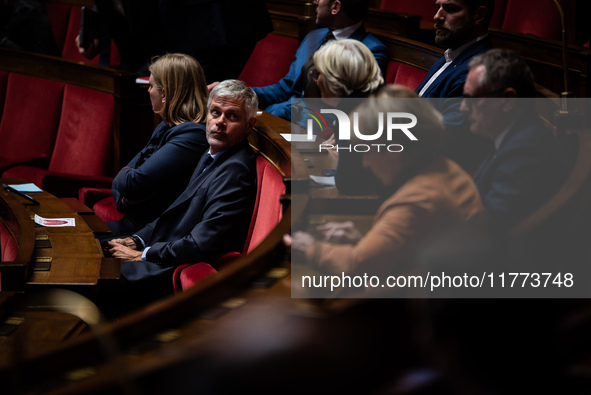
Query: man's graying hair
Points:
[237, 90]
[505, 69]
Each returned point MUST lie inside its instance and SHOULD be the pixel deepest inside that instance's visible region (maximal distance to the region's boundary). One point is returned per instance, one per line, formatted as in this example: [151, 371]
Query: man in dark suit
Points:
[529, 163]
[460, 26]
[211, 216]
[338, 19]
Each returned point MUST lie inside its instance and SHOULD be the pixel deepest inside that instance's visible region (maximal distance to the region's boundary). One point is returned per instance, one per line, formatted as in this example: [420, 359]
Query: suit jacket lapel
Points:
[436, 66]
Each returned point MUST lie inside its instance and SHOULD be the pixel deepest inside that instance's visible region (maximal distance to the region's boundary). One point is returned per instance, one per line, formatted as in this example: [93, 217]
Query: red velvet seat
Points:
[3, 83]
[65, 23]
[59, 16]
[30, 120]
[266, 214]
[270, 60]
[83, 149]
[8, 244]
[534, 17]
[499, 15]
[102, 203]
[403, 74]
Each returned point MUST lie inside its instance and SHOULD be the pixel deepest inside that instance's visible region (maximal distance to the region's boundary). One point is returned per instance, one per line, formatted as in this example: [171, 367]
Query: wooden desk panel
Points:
[77, 260]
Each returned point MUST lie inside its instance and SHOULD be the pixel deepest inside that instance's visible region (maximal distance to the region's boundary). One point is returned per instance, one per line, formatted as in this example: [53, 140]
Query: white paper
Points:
[26, 188]
[55, 222]
[296, 137]
[326, 180]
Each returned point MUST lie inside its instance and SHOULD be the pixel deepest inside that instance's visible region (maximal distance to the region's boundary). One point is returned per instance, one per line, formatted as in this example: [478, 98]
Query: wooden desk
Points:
[76, 258]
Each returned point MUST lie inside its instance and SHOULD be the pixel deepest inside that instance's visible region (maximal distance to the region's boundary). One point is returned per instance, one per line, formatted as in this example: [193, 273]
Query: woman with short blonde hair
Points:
[346, 66]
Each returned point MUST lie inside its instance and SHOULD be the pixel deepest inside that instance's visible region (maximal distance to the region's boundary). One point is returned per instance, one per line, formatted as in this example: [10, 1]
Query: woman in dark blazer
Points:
[158, 174]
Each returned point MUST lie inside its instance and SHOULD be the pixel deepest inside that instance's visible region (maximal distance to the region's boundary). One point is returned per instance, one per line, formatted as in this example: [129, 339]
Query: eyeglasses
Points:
[313, 75]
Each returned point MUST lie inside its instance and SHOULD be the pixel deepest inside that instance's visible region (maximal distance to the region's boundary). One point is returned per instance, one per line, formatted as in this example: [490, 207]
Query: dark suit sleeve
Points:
[523, 179]
[379, 50]
[283, 90]
[183, 149]
[227, 211]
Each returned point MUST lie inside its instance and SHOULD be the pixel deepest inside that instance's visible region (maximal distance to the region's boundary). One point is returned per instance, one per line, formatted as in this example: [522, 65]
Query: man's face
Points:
[481, 108]
[454, 25]
[324, 12]
[227, 123]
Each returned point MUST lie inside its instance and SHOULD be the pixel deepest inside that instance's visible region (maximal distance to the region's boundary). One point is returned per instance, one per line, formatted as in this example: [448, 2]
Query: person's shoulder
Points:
[370, 39]
[315, 35]
[188, 126]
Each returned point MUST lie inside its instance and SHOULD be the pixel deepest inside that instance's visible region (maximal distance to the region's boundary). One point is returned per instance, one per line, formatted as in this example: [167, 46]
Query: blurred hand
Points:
[342, 232]
[300, 241]
[127, 254]
[91, 51]
[127, 242]
[212, 85]
[332, 141]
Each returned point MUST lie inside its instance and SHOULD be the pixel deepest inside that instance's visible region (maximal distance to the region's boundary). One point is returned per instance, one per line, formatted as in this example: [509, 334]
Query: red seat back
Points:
[59, 16]
[409, 76]
[403, 74]
[534, 17]
[499, 15]
[270, 60]
[267, 208]
[391, 71]
[30, 118]
[84, 142]
[8, 244]
[3, 83]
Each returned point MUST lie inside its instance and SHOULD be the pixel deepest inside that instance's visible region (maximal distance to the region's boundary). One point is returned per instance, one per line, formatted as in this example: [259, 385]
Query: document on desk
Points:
[26, 188]
[296, 137]
[325, 180]
[55, 222]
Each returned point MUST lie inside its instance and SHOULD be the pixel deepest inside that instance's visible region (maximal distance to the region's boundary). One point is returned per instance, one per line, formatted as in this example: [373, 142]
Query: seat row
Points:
[61, 122]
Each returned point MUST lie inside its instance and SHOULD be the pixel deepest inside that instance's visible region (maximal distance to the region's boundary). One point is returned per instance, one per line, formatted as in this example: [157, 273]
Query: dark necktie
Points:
[208, 161]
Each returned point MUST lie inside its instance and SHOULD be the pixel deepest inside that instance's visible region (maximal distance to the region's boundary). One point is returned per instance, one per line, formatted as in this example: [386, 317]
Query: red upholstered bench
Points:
[544, 22]
[270, 60]
[82, 152]
[266, 214]
[30, 120]
[403, 74]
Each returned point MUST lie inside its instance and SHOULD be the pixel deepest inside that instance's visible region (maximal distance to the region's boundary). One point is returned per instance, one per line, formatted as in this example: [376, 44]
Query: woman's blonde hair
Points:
[182, 80]
[348, 66]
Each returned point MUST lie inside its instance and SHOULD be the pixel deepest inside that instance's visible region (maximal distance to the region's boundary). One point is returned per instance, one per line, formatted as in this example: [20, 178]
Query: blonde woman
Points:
[345, 68]
[158, 174]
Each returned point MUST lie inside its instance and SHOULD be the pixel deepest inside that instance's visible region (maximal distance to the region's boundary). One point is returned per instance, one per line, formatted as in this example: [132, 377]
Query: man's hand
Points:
[91, 51]
[119, 250]
[342, 232]
[212, 85]
[127, 242]
[299, 241]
